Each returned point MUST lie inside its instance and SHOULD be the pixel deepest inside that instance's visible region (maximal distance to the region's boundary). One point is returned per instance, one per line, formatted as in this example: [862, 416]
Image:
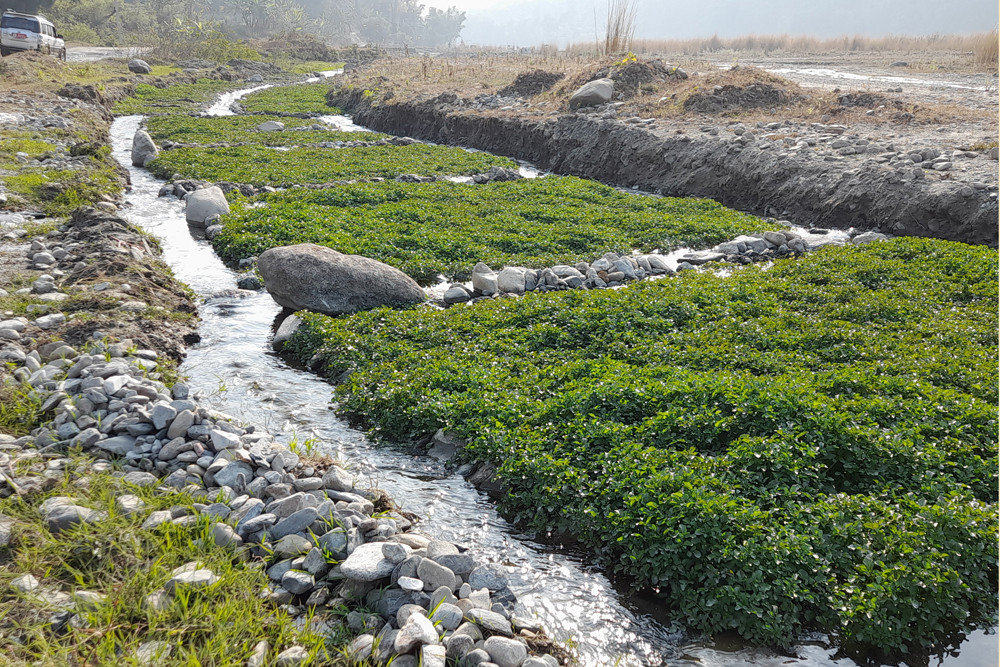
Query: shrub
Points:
[429, 229]
[810, 445]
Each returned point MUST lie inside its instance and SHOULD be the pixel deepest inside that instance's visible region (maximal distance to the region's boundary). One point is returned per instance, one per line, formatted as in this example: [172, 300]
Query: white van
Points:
[29, 32]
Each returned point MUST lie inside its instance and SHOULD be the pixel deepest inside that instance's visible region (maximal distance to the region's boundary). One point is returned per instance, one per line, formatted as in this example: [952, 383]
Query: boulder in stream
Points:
[143, 149]
[204, 204]
[311, 277]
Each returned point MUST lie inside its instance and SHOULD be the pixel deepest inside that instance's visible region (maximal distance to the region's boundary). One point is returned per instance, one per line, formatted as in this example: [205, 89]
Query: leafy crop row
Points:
[242, 129]
[282, 168]
[809, 445]
[307, 98]
[176, 99]
[427, 229]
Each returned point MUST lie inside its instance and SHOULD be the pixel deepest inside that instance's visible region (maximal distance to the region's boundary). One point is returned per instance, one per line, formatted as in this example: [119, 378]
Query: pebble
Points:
[488, 576]
[505, 652]
[26, 583]
[193, 580]
[417, 630]
[490, 621]
[291, 657]
[367, 563]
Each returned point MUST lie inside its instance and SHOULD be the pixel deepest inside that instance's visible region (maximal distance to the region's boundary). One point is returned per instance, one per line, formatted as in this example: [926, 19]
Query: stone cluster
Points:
[326, 536]
[614, 270]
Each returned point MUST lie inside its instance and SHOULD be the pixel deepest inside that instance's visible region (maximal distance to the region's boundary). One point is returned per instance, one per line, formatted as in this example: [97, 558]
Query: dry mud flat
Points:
[919, 160]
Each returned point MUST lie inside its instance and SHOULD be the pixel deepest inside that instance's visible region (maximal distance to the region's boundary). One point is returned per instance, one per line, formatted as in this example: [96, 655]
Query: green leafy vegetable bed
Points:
[265, 166]
[309, 98]
[177, 99]
[810, 445]
[427, 229]
[242, 129]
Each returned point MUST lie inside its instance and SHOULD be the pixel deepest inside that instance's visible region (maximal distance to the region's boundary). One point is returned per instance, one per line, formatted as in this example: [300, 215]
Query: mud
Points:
[806, 189]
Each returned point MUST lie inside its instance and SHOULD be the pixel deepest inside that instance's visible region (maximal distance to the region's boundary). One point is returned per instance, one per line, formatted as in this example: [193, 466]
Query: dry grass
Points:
[395, 80]
[801, 44]
[987, 49]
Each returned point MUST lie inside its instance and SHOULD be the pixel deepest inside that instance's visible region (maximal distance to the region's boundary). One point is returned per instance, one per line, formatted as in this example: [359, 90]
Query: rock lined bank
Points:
[741, 170]
[326, 538]
[614, 270]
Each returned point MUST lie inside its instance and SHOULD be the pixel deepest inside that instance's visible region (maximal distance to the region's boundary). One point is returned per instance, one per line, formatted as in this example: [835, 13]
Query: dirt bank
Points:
[894, 176]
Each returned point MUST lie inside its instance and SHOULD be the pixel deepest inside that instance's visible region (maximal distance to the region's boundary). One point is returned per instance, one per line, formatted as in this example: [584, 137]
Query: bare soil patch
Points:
[529, 84]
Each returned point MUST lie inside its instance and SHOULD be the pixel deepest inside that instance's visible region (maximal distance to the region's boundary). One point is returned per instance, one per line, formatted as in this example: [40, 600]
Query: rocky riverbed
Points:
[93, 356]
[327, 538]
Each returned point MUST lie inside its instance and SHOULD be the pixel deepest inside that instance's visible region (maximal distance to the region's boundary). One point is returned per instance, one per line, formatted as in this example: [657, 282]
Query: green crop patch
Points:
[180, 98]
[428, 229]
[283, 168]
[807, 445]
[306, 98]
[243, 130]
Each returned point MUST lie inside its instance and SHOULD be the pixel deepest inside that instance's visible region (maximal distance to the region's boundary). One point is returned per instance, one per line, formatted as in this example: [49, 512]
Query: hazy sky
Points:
[529, 22]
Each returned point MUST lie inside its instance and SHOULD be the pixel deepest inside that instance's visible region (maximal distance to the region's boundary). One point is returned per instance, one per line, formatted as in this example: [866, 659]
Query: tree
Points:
[28, 6]
[443, 27]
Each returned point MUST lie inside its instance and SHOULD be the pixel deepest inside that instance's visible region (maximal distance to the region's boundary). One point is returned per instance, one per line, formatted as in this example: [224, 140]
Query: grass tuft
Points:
[114, 557]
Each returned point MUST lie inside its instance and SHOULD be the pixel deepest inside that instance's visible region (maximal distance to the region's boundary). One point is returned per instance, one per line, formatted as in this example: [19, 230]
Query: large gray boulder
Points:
[138, 66]
[143, 149]
[593, 93]
[312, 277]
[205, 203]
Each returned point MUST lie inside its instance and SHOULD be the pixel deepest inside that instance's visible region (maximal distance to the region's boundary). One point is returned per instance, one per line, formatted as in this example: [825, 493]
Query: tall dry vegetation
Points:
[987, 48]
[620, 27]
[984, 45]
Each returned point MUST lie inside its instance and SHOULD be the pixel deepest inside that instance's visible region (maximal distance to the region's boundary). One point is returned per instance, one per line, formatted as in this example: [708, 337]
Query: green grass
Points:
[310, 66]
[219, 626]
[264, 166]
[20, 409]
[242, 129]
[445, 228]
[11, 145]
[810, 445]
[164, 70]
[61, 191]
[176, 99]
[308, 98]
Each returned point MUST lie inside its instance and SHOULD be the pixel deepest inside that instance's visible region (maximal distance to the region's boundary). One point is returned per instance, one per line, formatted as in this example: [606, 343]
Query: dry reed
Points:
[621, 26]
[980, 43]
[987, 48]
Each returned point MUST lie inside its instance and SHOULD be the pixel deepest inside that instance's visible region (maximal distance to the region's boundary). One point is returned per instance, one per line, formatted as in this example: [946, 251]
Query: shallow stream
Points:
[234, 367]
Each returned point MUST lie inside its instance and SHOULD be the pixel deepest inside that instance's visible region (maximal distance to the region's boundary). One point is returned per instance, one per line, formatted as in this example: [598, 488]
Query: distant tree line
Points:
[383, 22]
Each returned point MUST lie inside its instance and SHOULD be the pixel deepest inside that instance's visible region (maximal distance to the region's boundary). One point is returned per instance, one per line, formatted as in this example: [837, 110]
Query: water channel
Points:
[234, 368]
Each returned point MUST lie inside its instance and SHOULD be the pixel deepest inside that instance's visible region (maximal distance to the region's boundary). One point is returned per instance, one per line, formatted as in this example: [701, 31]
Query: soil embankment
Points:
[849, 181]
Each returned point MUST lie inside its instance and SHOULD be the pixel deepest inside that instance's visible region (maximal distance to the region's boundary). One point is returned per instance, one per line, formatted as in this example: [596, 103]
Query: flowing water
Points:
[235, 369]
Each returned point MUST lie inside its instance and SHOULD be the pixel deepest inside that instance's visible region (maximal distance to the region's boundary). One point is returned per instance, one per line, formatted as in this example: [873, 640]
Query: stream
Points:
[234, 368]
